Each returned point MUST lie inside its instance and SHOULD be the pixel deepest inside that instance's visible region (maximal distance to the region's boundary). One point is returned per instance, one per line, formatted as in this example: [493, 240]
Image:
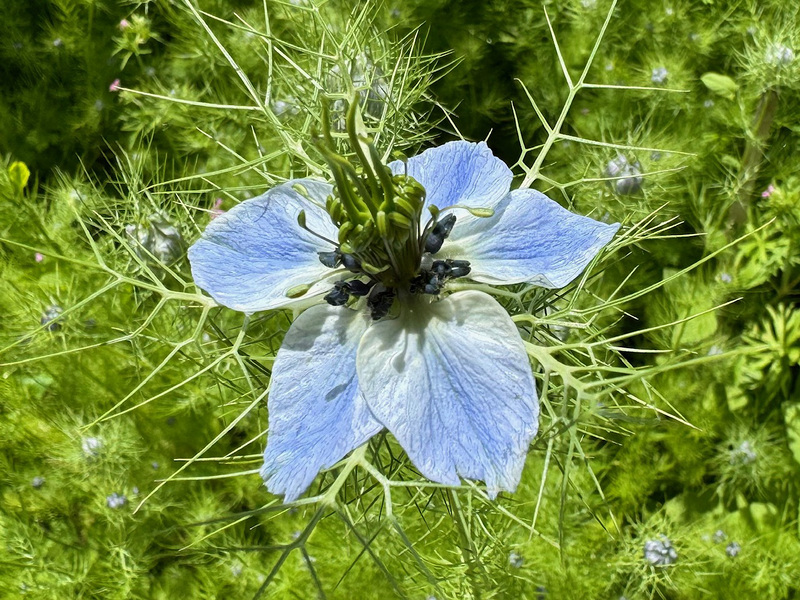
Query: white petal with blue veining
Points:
[451, 380]
[316, 412]
[459, 173]
[530, 238]
[250, 257]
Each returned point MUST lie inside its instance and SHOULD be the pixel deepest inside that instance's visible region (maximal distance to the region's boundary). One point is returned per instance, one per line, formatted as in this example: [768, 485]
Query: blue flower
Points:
[447, 375]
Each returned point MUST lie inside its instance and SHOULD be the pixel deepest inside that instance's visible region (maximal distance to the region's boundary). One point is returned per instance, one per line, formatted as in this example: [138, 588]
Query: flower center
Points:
[384, 239]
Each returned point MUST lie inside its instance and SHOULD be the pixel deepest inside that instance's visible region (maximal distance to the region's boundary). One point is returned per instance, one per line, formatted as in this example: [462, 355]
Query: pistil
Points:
[378, 216]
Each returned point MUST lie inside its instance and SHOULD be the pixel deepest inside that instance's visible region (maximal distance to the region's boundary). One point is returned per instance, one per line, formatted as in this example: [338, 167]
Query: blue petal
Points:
[459, 173]
[316, 412]
[530, 238]
[451, 380]
[250, 257]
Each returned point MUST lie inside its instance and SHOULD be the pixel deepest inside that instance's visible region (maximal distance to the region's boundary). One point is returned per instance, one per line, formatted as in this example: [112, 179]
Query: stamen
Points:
[432, 280]
[301, 221]
[351, 263]
[437, 235]
[337, 257]
[459, 268]
[359, 288]
[433, 286]
[380, 302]
[330, 259]
[339, 295]
[445, 225]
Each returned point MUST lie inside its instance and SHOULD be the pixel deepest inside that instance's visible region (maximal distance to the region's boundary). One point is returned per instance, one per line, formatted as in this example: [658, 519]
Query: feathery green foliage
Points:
[133, 408]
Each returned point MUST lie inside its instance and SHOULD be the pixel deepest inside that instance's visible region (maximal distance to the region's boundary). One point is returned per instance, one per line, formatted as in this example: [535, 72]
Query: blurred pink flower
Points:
[38, 257]
[768, 192]
[114, 86]
[124, 24]
[216, 210]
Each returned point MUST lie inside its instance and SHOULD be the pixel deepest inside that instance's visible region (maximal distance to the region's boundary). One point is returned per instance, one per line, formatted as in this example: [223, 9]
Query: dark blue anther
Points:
[445, 226]
[351, 263]
[329, 259]
[380, 303]
[433, 243]
[358, 288]
[460, 272]
[432, 280]
[440, 231]
[441, 268]
[417, 284]
[459, 268]
[339, 295]
[433, 285]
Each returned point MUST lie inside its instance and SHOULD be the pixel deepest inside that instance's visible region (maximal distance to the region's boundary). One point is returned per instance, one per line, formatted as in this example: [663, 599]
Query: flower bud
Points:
[628, 175]
[156, 240]
[49, 317]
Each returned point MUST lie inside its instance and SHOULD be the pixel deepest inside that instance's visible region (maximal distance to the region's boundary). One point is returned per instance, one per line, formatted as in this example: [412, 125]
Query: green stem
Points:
[475, 570]
[354, 460]
[751, 162]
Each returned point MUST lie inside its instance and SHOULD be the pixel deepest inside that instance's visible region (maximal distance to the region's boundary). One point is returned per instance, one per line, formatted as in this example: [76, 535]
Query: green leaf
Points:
[791, 416]
[19, 174]
[721, 85]
[762, 516]
[737, 399]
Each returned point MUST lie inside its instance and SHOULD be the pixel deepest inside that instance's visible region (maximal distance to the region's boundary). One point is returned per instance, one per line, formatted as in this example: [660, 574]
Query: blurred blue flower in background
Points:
[447, 375]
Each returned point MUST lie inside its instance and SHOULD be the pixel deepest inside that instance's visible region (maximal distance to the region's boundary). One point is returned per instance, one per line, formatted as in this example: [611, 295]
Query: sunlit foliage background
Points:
[133, 411]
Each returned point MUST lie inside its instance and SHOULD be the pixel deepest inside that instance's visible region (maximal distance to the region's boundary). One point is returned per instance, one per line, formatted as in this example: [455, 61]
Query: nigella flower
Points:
[91, 446]
[116, 500]
[660, 552]
[446, 373]
[733, 549]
